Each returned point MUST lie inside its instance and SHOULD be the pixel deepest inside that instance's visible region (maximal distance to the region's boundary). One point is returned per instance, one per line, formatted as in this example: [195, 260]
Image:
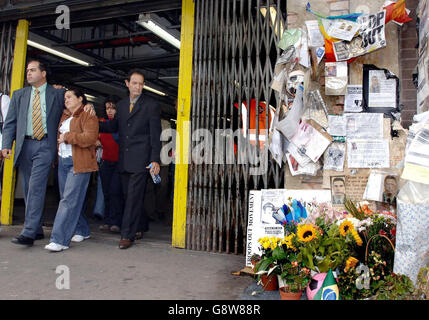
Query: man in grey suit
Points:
[32, 120]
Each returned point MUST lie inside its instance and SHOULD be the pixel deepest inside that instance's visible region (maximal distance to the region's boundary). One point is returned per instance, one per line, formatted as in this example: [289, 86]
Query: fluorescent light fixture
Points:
[148, 23]
[90, 97]
[154, 90]
[57, 53]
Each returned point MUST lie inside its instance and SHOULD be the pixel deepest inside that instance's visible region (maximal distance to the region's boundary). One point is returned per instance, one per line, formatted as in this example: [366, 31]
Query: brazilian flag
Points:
[329, 289]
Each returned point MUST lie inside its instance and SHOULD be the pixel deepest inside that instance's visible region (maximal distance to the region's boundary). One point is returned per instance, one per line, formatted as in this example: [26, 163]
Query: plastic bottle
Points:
[156, 178]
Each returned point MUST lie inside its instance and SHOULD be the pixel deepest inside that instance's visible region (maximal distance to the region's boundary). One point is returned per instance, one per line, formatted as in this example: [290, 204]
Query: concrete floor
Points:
[151, 269]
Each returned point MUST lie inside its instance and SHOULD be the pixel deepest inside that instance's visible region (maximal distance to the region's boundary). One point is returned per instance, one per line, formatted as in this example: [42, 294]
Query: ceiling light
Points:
[148, 23]
[90, 98]
[57, 53]
[154, 90]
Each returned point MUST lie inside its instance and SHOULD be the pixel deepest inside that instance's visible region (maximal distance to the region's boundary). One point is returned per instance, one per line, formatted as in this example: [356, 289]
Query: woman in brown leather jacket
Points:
[77, 134]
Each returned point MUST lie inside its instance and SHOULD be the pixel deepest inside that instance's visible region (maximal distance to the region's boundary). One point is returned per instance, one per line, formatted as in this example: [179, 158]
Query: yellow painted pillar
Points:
[17, 82]
[183, 124]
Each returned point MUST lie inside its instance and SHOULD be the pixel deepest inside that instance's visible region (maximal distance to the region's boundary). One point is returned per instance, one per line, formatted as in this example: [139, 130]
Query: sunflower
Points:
[306, 233]
[346, 227]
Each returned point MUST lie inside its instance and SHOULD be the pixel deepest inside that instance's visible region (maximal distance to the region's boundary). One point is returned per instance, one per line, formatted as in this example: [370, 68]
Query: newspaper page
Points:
[343, 29]
[310, 141]
[353, 101]
[368, 153]
[315, 37]
[337, 126]
[336, 78]
[371, 37]
[381, 91]
[364, 125]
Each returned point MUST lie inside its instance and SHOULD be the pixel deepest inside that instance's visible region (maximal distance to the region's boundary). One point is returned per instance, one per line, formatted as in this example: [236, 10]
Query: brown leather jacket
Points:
[82, 136]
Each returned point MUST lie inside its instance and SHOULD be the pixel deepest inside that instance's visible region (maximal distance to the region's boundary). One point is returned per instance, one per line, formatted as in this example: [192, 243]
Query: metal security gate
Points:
[235, 51]
[7, 34]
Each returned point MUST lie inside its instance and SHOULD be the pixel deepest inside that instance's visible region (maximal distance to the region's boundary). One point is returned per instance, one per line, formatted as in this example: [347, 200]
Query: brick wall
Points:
[408, 59]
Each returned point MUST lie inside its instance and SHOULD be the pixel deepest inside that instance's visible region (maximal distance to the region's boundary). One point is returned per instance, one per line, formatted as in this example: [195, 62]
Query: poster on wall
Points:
[262, 205]
[371, 37]
[380, 91]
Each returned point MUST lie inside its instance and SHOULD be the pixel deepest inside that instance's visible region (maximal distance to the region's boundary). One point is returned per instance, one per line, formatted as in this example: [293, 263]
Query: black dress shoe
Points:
[40, 236]
[23, 241]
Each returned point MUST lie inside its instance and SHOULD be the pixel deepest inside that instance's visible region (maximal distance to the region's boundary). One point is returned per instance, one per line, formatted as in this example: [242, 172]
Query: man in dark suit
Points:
[32, 120]
[138, 123]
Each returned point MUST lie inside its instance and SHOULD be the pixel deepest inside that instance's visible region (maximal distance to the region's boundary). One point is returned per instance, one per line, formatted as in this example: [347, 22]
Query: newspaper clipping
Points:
[371, 37]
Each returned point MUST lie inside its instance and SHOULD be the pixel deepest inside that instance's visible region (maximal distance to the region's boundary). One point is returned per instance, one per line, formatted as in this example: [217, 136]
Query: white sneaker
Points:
[55, 247]
[79, 238]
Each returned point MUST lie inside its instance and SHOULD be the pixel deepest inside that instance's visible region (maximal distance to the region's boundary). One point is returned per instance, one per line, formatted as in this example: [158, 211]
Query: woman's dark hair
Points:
[79, 93]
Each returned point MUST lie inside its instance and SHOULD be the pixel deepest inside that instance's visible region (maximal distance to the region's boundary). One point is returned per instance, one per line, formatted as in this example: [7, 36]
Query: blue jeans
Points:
[70, 218]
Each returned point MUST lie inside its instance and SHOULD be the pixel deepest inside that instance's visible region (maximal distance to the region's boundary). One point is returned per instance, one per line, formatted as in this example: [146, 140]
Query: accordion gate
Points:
[235, 50]
[7, 34]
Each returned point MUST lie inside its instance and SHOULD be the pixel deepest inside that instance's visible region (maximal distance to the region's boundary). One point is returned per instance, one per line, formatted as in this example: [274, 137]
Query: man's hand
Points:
[155, 168]
[6, 153]
[90, 109]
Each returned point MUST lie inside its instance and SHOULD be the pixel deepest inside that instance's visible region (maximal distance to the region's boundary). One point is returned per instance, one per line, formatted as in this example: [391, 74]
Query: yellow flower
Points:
[358, 240]
[350, 263]
[306, 233]
[288, 241]
[346, 227]
[266, 245]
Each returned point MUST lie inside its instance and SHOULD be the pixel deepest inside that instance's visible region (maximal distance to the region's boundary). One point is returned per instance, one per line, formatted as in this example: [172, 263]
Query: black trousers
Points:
[134, 219]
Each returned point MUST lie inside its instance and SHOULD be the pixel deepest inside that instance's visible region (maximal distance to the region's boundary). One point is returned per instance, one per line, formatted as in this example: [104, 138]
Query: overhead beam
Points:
[84, 11]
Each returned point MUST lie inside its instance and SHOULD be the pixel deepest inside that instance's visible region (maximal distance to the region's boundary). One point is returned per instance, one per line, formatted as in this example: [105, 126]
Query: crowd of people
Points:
[51, 124]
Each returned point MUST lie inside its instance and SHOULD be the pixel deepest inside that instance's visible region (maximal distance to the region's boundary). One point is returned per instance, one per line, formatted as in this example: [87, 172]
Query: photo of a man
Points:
[331, 71]
[390, 190]
[338, 188]
[375, 85]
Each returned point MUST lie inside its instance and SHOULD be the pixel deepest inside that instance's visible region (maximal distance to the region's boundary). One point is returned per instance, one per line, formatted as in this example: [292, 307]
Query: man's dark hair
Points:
[42, 65]
[338, 179]
[390, 177]
[134, 71]
[79, 93]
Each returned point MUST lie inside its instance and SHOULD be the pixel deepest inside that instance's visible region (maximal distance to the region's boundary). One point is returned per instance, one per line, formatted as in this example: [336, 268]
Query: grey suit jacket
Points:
[15, 126]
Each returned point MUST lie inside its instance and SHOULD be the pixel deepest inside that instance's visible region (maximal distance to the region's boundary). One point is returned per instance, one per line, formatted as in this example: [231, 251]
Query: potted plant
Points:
[267, 268]
[295, 278]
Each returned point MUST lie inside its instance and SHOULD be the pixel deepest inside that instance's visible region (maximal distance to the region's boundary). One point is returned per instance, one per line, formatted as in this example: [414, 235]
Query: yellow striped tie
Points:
[38, 131]
[131, 106]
